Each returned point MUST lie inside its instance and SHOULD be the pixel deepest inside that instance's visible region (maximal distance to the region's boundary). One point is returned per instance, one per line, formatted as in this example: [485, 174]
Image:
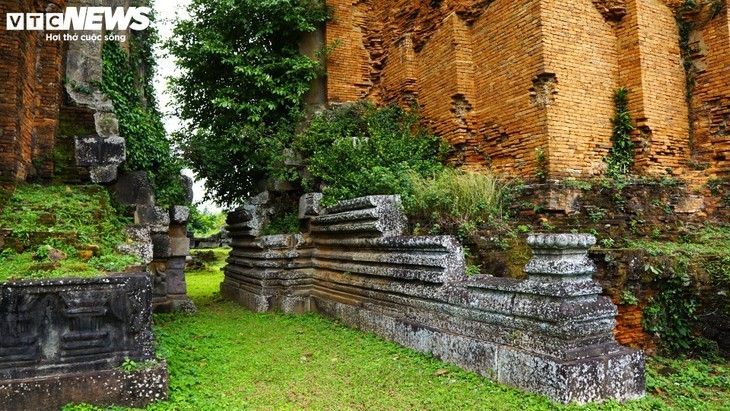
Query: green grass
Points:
[710, 240]
[77, 216]
[227, 358]
[454, 195]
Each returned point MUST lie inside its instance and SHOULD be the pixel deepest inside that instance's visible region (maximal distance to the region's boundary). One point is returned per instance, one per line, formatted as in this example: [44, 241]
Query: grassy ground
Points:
[70, 219]
[227, 358]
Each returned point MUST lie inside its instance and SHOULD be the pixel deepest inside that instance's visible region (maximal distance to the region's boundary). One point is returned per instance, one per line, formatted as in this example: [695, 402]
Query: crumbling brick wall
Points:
[710, 108]
[30, 95]
[499, 79]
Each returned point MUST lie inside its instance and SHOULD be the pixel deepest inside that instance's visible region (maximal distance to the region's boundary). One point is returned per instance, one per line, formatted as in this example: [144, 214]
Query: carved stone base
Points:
[101, 388]
[551, 334]
[618, 375]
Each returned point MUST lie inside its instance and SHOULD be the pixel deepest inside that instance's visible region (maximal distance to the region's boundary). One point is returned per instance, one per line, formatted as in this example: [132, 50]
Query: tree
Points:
[241, 87]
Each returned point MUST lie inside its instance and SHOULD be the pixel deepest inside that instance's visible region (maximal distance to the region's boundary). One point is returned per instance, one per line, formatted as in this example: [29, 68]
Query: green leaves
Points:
[241, 87]
[360, 150]
[140, 121]
[621, 157]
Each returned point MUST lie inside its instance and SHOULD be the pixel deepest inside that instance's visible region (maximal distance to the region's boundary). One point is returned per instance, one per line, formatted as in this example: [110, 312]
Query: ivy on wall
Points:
[621, 157]
[127, 82]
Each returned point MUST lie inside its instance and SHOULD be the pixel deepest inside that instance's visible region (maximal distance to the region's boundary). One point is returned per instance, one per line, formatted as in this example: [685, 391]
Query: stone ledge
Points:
[135, 389]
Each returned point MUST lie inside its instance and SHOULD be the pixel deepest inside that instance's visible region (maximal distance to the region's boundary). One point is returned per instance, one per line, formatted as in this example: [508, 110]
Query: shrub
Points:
[360, 150]
[140, 121]
[206, 223]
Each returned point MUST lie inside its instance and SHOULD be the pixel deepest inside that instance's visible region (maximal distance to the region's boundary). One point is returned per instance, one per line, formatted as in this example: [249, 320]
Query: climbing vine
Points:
[621, 157]
[672, 314]
[127, 82]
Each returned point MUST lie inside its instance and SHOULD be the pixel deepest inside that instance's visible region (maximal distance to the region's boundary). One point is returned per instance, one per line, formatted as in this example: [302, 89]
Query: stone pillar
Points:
[179, 251]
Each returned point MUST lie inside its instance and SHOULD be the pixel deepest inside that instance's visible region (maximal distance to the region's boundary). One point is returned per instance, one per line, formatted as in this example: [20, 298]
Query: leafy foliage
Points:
[456, 197]
[672, 314]
[621, 157]
[541, 171]
[282, 223]
[127, 82]
[205, 223]
[241, 88]
[360, 150]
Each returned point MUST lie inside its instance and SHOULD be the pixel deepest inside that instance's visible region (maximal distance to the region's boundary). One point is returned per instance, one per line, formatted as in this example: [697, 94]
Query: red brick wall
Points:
[508, 56]
[582, 52]
[651, 68]
[499, 79]
[711, 99]
[30, 90]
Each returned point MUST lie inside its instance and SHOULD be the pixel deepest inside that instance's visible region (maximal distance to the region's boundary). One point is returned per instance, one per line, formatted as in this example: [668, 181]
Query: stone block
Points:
[176, 282]
[74, 325]
[309, 205]
[371, 216]
[178, 231]
[143, 251]
[103, 174]
[140, 244]
[133, 189]
[161, 246]
[136, 389]
[625, 379]
[179, 215]
[157, 218]
[138, 233]
[179, 246]
[107, 124]
[176, 263]
[94, 151]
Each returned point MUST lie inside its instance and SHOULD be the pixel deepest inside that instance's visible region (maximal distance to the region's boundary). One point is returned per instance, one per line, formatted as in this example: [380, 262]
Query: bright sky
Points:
[166, 13]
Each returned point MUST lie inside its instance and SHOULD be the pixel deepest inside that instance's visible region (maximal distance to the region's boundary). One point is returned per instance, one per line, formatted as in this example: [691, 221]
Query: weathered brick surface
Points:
[30, 76]
[711, 100]
[499, 79]
[652, 71]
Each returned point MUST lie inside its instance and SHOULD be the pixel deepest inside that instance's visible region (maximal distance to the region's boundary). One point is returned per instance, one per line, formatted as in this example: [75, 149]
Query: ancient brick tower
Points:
[502, 78]
[30, 95]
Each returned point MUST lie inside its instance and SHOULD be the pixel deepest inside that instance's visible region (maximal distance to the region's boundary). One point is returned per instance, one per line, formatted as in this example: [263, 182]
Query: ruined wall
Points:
[710, 46]
[508, 57]
[651, 69]
[30, 95]
[550, 333]
[580, 73]
[63, 340]
[45, 100]
[499, 79]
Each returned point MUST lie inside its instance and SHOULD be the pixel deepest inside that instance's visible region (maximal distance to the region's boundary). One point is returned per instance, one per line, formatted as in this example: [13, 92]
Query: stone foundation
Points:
[550, 334]
[136, 389]
[63, 340]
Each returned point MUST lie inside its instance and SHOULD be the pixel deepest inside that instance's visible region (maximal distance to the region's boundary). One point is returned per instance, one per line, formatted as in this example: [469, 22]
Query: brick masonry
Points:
[499, 79]
[30, 95]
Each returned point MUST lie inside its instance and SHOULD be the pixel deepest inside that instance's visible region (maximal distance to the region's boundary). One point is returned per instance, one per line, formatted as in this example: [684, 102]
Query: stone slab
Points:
[135, 389]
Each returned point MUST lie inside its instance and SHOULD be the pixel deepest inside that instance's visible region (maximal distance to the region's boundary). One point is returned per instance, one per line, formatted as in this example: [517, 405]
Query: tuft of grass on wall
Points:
[452, 195]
